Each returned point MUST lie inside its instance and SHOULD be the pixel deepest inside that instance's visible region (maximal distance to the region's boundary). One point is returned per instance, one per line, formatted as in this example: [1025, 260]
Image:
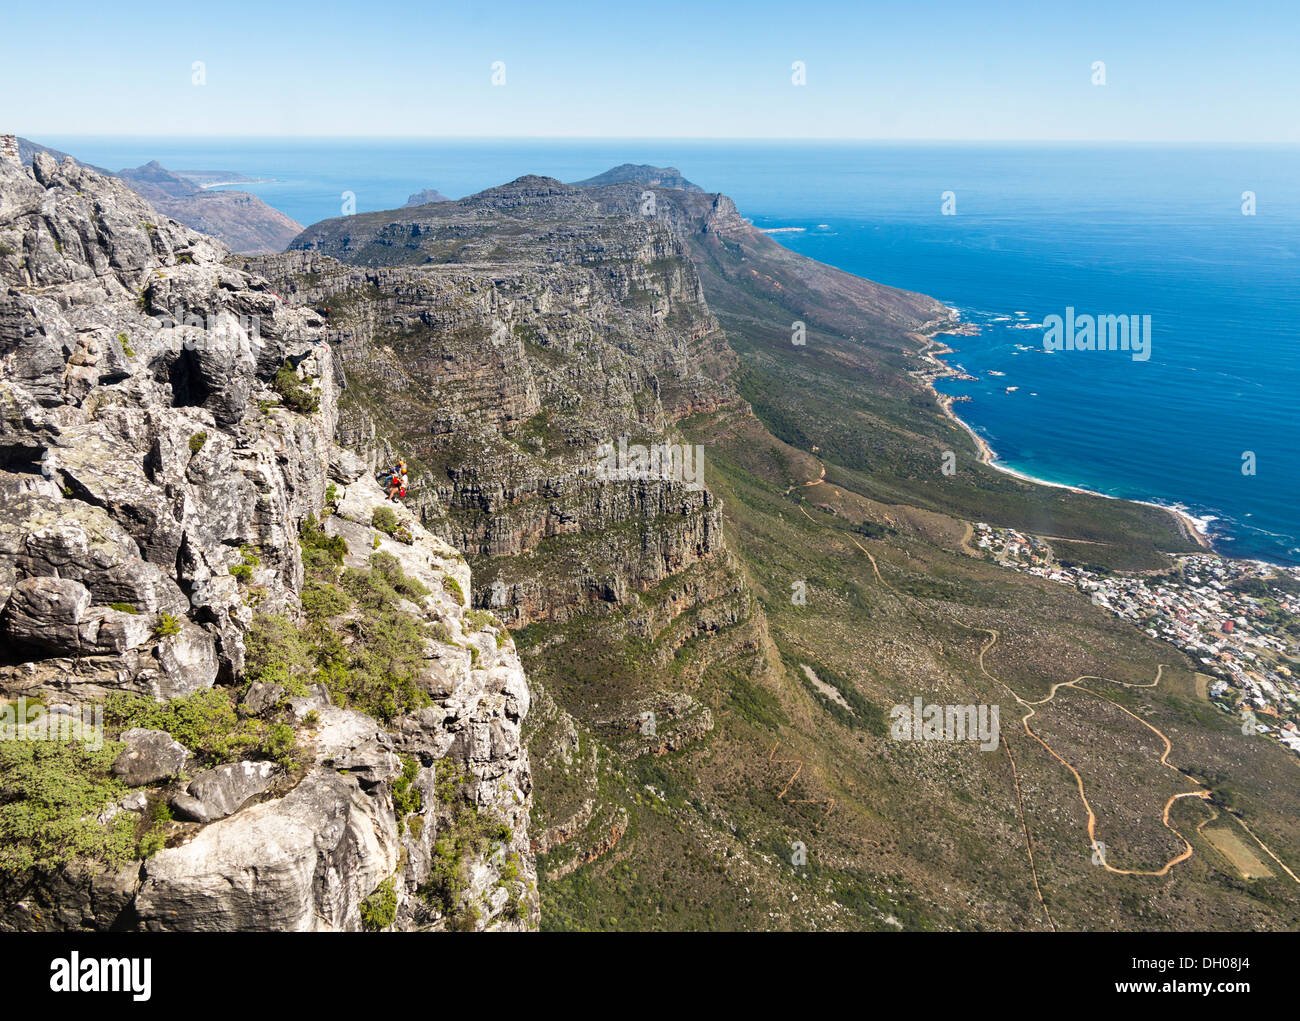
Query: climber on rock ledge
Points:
[398, 482]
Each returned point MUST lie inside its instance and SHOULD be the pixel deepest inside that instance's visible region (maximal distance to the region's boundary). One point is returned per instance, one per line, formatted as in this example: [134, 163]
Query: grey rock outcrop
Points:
[167, 422]
[217, 793]
[149, 756]
[135, 459]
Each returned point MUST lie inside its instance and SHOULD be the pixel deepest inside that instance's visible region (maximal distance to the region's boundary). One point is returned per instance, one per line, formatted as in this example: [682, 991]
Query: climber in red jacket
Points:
[398, 482]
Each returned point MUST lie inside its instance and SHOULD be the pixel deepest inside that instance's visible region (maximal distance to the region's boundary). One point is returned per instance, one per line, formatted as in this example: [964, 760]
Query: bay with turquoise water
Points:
[1036, 229]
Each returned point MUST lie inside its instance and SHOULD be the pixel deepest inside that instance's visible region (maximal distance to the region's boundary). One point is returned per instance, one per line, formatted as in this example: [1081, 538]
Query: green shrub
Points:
[510, 881]
[154, 838]
[479, 619]
[448, 779]
[294, 395]
[275, 653]
[406, 796]
[390, 569]
[123, 608]
[279, 743]
[125, 341]
[321, 601]
[378, 669]
[244, 570]
[471, 834]
[380, 908]
[197, 441]
[453, 586]
[320, 552]
[205, 722]
[384, 519]
[167, 625]
[439, 632]
[51, 794]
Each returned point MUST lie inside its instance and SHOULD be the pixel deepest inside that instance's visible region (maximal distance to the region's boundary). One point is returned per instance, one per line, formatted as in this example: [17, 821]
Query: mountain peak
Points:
[641, 173]
[425, 196]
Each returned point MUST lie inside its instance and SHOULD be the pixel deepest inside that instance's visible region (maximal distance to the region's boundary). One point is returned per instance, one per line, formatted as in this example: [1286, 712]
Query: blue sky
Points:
[1188, 71]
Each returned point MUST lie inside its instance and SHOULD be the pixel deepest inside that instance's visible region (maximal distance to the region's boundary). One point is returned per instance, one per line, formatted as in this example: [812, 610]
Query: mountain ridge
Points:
[811, 450]
[710, 659]
[238, 219]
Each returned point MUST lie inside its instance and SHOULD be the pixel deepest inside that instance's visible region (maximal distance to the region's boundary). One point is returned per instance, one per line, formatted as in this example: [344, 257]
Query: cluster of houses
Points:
[1238, 619]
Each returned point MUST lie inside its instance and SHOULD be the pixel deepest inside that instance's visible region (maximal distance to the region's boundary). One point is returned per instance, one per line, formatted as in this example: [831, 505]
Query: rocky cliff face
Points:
[566, 324]
[307, 726]
[238, 219]
[509, 345]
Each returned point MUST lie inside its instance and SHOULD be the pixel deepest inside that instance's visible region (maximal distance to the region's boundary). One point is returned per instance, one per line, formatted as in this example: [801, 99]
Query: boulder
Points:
[188, 661]
[302, 862]
[261, 696]
[119, 631]
[217, 793]
[150, 756]
[46, 613]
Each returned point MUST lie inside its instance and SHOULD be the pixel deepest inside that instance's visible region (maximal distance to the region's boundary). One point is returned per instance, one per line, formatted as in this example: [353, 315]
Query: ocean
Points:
[1206, 423]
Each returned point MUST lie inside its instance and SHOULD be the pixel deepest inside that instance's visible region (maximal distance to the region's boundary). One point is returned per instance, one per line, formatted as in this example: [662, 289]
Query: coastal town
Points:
[1239, 620]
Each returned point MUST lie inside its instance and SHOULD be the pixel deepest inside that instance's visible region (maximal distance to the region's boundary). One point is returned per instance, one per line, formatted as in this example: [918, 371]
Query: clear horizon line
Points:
[673, 138]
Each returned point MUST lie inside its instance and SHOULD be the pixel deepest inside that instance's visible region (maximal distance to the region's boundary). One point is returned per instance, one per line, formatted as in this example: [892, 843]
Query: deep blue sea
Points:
[1107, 230]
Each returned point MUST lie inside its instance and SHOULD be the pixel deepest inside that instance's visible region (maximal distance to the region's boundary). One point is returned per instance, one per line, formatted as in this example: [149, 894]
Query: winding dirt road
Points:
[1031, 708]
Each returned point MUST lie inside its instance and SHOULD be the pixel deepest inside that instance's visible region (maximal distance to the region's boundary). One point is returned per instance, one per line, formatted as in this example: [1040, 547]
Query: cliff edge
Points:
[292, 718]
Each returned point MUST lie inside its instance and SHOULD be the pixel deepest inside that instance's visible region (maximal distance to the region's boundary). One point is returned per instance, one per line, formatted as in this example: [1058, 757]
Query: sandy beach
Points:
[932, 350]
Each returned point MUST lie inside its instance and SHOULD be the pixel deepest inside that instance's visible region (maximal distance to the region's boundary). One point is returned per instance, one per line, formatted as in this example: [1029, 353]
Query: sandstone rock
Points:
[353, 742]
[46, 613]
[304, 862]
[188, 661]
[217, 793]
[119, 631]
[149, 756]
[79, 897]
[144, 454]
[261, 696]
